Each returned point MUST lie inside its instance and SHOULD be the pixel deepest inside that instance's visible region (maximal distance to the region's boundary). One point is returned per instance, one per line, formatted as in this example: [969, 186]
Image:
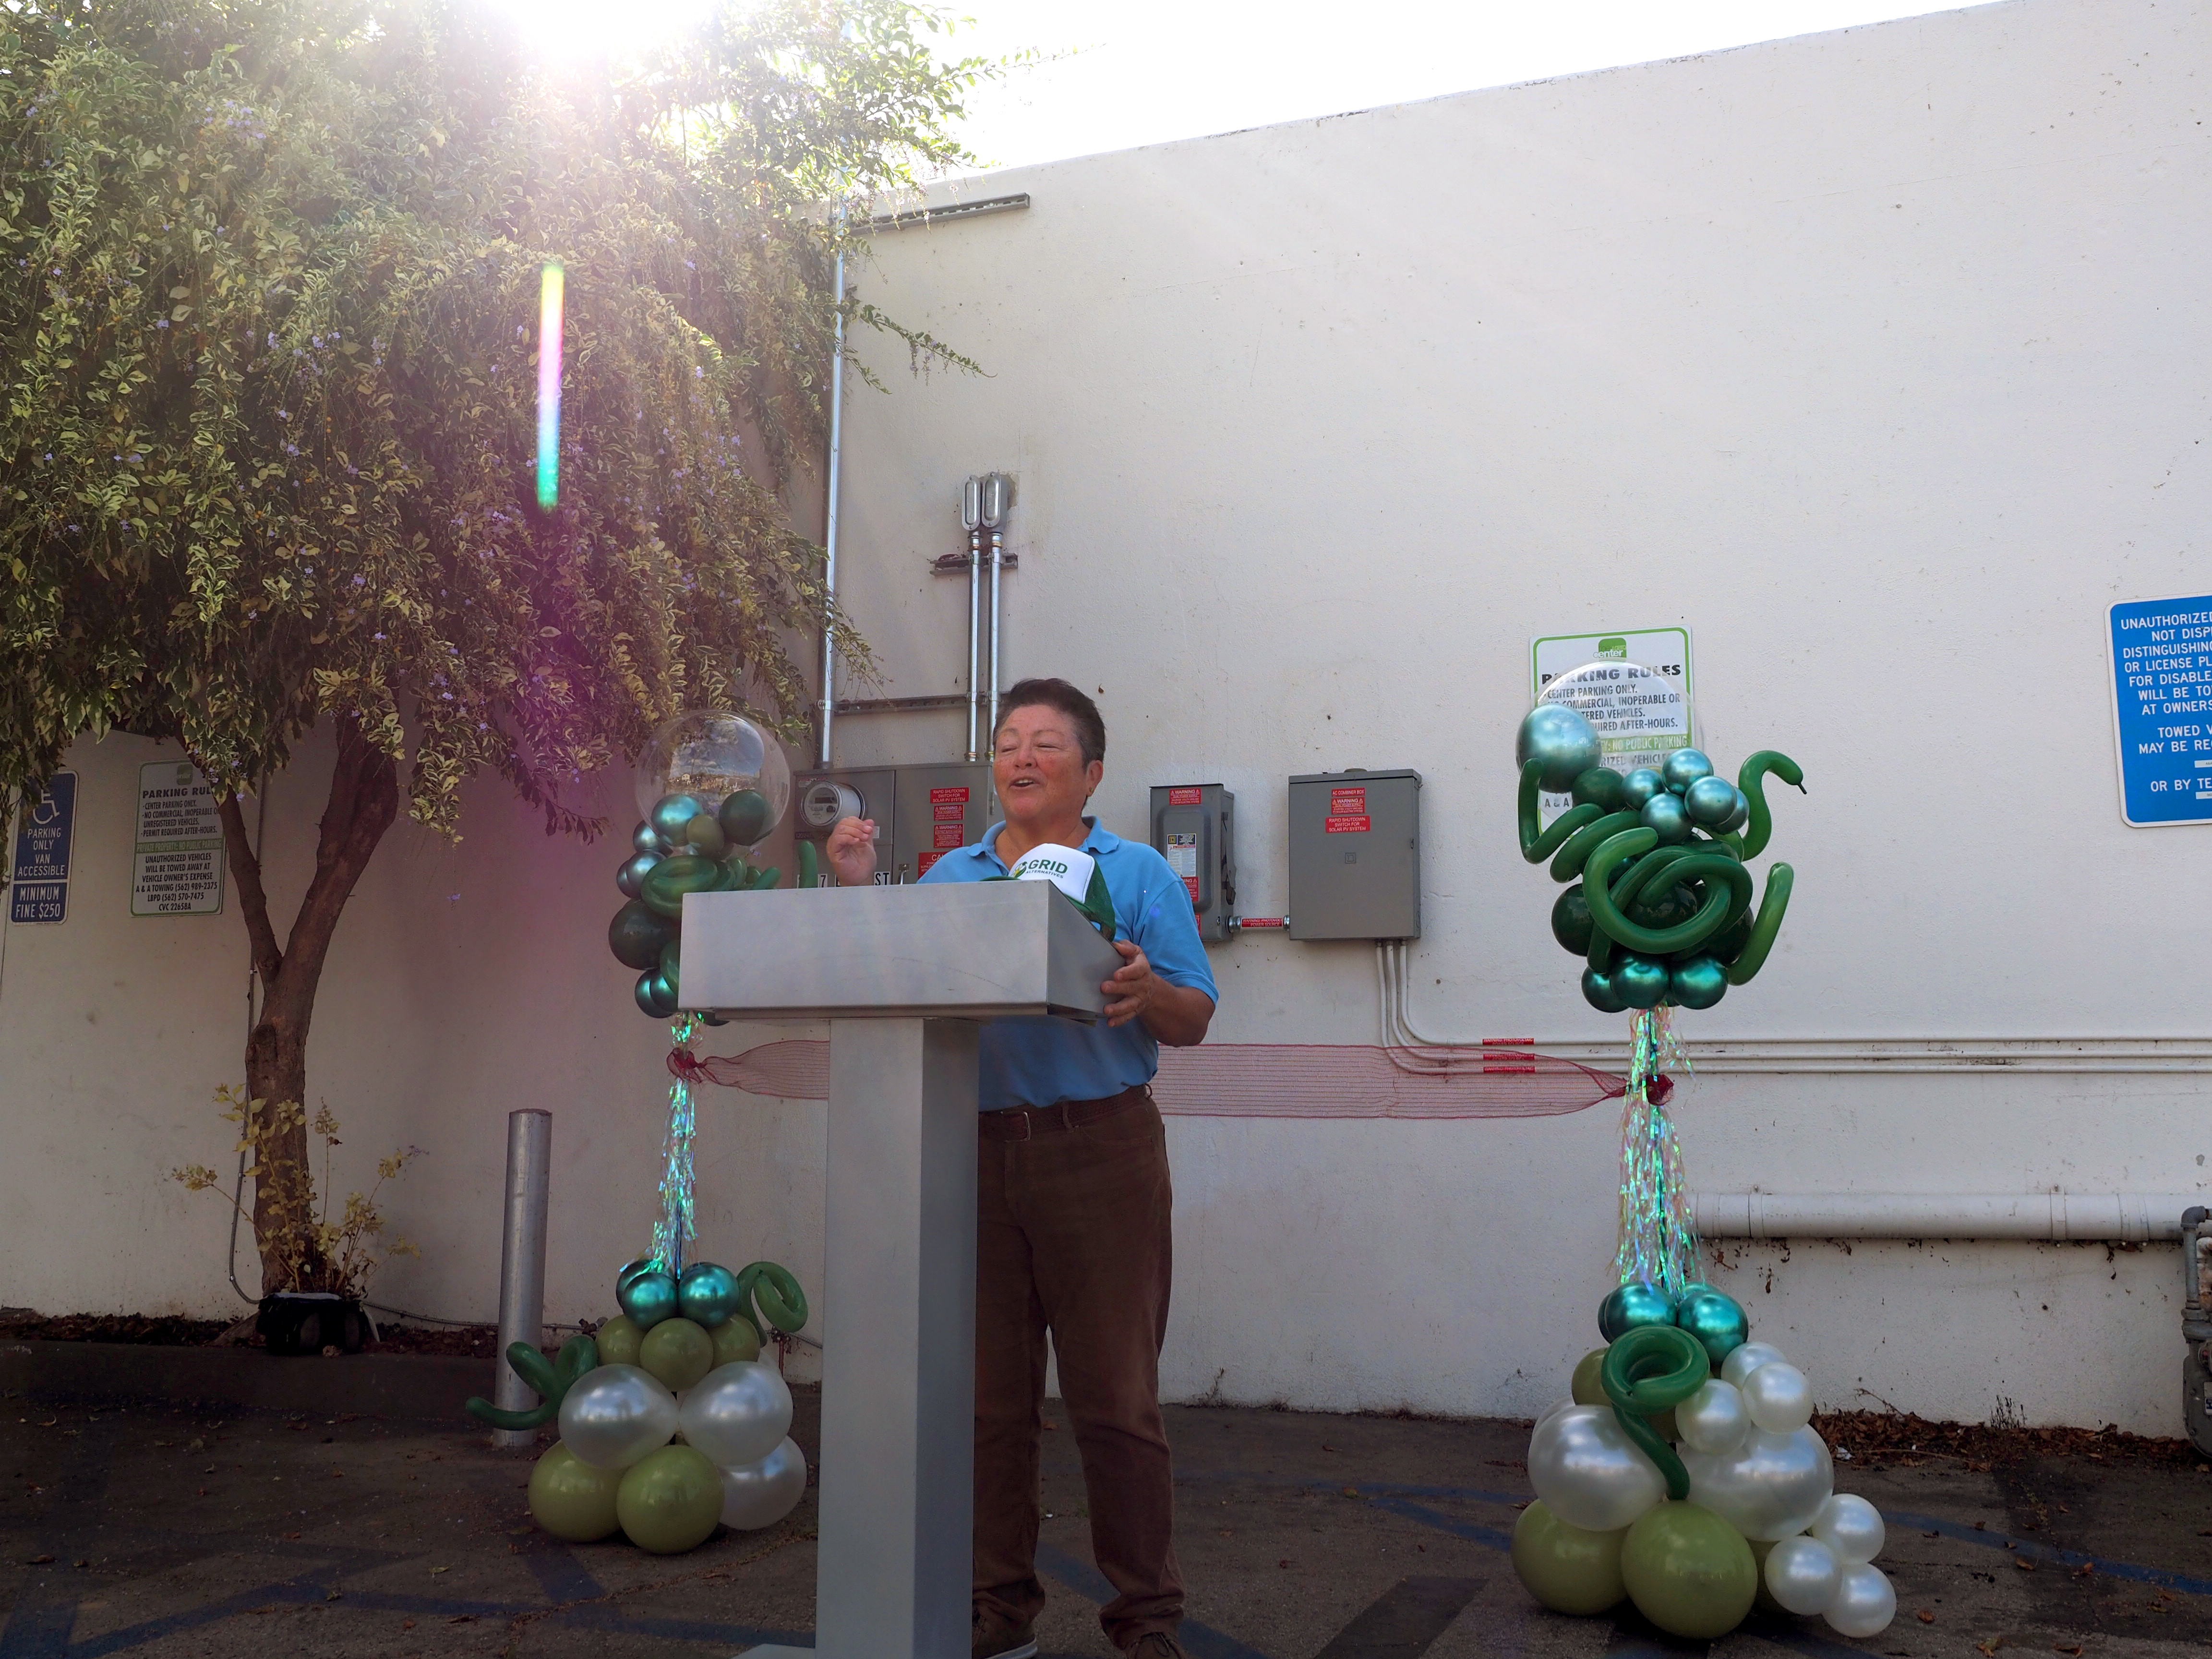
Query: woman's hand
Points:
[1175, 1014]
[851, 852]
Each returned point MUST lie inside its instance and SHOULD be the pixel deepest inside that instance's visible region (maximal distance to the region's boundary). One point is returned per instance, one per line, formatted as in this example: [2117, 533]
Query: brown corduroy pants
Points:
[1073, 1238]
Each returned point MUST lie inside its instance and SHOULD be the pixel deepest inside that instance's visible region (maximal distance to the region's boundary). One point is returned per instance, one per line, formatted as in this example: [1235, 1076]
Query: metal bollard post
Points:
[522, 1260]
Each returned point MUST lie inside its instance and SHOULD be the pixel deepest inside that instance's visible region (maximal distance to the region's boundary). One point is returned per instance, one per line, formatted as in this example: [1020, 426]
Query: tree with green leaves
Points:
[269, 284]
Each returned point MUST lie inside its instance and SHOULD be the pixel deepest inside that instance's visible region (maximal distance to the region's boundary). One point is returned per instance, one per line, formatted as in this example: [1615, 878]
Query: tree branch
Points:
[253, 899]
[364, 801]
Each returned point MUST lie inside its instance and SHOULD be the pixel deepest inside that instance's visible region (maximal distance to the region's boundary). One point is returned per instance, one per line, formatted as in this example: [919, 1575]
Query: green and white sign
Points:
[177, 861]
[1637, 692]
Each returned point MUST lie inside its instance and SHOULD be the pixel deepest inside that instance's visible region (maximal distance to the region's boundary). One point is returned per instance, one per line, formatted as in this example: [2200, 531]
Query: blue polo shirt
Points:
[1037, 1061]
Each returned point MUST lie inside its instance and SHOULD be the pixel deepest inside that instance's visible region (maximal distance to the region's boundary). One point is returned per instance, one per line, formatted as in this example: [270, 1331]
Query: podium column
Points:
[898, 1389]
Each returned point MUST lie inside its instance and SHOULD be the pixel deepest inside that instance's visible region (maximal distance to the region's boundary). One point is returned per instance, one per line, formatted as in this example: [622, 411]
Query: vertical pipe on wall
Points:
[830, 505]
[998, 496]
[522, 1260]
[971, 515]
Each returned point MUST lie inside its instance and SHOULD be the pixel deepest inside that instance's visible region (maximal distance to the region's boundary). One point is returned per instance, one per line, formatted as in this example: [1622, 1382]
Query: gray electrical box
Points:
[1356, 855]
[920, 812]
[1193, 829]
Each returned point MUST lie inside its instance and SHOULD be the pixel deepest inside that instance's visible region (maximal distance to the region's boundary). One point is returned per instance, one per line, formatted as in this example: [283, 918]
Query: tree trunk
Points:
[364, 799]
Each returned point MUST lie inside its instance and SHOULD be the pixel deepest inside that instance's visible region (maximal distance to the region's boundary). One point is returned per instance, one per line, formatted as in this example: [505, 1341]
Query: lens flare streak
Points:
[550, 294]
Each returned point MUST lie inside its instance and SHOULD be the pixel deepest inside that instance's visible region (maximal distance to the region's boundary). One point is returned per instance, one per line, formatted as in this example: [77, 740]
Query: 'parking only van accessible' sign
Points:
[2162, 710]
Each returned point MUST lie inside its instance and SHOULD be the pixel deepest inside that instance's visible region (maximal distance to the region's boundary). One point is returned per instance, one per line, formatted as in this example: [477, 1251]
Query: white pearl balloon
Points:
[1713, 1420]
[760, 1494]
[1851, 1526]
[1588, 1473]
[1554, 1410]
[1779, 1397]
[1803, 1575]
[737, 1412]
[614, 1415]
[1745, 1358]
[1769, 1488]
[1865, 1602]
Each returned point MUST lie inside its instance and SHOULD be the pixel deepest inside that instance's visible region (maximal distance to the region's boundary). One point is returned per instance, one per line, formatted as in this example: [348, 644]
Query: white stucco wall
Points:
[1875, 358]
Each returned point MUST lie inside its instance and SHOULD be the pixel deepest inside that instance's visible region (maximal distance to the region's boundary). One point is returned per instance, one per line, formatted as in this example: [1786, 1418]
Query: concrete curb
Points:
[369, 1384]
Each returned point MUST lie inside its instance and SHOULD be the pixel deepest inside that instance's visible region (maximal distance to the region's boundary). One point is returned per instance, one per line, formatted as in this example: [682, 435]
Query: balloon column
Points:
[711, 787]
[1684, 1476]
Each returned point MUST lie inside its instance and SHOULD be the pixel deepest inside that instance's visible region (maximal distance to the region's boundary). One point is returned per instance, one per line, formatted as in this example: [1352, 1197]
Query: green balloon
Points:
[671, 815]
[671, 965]
[636, 934]
[734, 1338]
[1568, 1568]
[1598, 992]
[668, 881]
[704, 832]
[1587, 1388]
[745, 817]
[1571, 921]
[1688, 1572]
[571, 1499]
[1763, 1600]
[678, 1351]
[1601, 786]
[670, 1500]
[1717, 1320]
[618, 1341]
[1697, 981]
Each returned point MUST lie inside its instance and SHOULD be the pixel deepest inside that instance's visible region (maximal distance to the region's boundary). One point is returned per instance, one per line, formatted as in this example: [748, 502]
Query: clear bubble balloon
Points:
[1803, 1575]
[1585, 1468]
[710, 758]
[737, 1413]
[1779, 1397]
[1743, 1361]
[1851, 1526]
[762, 1492]
[1713, 1420]
[1865, 1602]
[615, 1415]
[1770, 1487]
[1560, 740]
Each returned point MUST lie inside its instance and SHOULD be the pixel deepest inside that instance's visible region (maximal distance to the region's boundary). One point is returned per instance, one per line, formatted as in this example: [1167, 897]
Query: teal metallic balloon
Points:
[647, 1299]
[646, 839]
[1709, 801]
[1737, 819]
[1601, 786]
[1639, 787]
[706, 1295]
[746, 817]
[1562, 741]
[672, 815]
[1697, 982]
[1571, 922]
[1598, 992]
[1717, 1320]
[644, 1267]
[1728, 944]
[656, 997]
[1639, 981]
[631, 876]
[671, 965]
[1632, 1306]
[636, 935]
[1684, 768]
[1663, 814]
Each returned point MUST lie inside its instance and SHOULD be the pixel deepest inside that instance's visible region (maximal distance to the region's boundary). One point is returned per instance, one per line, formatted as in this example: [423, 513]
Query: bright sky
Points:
[1145, 72]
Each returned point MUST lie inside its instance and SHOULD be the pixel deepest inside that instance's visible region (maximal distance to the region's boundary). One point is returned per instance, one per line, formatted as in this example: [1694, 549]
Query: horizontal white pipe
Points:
[1719, 1055]
[2109, 1218]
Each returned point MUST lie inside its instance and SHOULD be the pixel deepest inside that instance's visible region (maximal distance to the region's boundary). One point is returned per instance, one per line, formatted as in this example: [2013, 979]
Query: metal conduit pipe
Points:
[998, 498]
[971, 515]
[2091, 1217]
[830, 507]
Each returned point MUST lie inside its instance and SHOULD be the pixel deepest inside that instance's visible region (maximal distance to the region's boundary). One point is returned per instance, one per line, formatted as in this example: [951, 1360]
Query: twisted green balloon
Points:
[776, 1295]
[1535, 845]
[1587, 840]
[1780, 879]
[551, 1381]
[1649, 1370]
[1751, 778]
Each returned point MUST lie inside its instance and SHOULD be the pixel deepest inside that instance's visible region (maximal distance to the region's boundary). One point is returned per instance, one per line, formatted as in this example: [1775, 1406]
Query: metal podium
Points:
[902, 974]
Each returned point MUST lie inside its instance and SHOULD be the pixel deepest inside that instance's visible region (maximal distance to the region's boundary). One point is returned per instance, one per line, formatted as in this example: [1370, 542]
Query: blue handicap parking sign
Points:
[44, 837]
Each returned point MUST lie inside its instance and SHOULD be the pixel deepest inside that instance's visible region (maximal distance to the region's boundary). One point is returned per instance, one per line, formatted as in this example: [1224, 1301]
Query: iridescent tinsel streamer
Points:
[1658, 1237]
[677, 1225]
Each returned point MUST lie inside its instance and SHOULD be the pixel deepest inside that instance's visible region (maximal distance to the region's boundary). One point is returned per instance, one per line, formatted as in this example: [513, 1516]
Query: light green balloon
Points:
[1568, 1568]
[1688, 1572]
[1586, 1387]
[678, 1351]
[618, 1340]
[571, 1499]
[670, 1500]
[734, 1338]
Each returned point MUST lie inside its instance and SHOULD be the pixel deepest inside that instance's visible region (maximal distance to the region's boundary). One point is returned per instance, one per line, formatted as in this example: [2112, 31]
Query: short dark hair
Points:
[1089, 726]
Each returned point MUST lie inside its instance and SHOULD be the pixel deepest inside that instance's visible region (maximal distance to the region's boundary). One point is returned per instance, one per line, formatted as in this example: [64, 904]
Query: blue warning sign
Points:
[2162, 710]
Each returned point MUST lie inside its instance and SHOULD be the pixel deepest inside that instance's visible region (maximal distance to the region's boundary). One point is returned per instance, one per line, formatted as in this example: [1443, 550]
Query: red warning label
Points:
[928, 859]
[1346, 801]
[950, 811]
[940, 797]
[947, 835]
[1186, 797]
[1358, 825]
